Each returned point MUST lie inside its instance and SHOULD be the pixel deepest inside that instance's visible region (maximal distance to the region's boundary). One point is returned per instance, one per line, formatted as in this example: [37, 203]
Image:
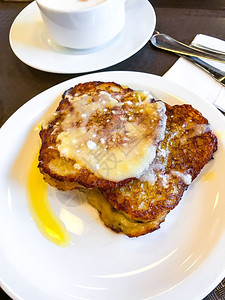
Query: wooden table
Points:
[180, 19]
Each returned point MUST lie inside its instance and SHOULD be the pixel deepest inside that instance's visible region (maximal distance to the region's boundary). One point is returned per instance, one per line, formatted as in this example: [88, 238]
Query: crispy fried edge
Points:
[84, 177]
[126, 206]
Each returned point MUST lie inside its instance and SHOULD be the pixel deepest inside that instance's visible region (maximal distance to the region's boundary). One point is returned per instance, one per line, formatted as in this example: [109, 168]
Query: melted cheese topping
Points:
[186, 178]
[103, 135]
[194, 130]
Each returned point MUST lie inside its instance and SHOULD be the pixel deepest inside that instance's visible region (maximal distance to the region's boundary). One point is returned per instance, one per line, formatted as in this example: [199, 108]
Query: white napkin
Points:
[190, 76]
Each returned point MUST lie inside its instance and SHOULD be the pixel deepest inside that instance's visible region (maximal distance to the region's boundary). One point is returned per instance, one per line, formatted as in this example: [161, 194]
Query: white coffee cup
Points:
[82, 27]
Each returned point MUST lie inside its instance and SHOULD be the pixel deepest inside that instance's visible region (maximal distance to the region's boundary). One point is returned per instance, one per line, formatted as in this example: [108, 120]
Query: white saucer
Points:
[31, 45]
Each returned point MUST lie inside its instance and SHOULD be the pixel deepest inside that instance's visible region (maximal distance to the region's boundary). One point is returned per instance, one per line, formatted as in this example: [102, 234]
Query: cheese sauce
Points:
[43, 215]
[113, 139]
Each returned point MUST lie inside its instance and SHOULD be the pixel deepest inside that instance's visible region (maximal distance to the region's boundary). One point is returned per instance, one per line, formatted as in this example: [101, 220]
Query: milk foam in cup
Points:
[82, 24]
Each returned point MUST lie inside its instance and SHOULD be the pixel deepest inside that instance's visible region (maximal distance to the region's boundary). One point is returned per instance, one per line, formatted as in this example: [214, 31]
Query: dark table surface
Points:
[182, 19]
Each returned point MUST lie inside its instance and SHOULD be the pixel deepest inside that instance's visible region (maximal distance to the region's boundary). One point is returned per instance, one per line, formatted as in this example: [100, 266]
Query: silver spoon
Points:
[163, 41]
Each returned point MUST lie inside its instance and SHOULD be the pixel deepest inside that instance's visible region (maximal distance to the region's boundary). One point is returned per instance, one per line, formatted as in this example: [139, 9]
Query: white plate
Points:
[184, 259]
[31, 45]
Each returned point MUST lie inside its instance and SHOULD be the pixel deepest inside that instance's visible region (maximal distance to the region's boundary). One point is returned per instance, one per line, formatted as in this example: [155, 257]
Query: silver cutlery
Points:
[165, 42]
[207, 49]
[192, 54]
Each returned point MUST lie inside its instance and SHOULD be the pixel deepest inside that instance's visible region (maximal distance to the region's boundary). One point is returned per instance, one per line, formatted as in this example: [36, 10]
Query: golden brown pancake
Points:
[161, 149]
[101, 135]
[142, 204]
